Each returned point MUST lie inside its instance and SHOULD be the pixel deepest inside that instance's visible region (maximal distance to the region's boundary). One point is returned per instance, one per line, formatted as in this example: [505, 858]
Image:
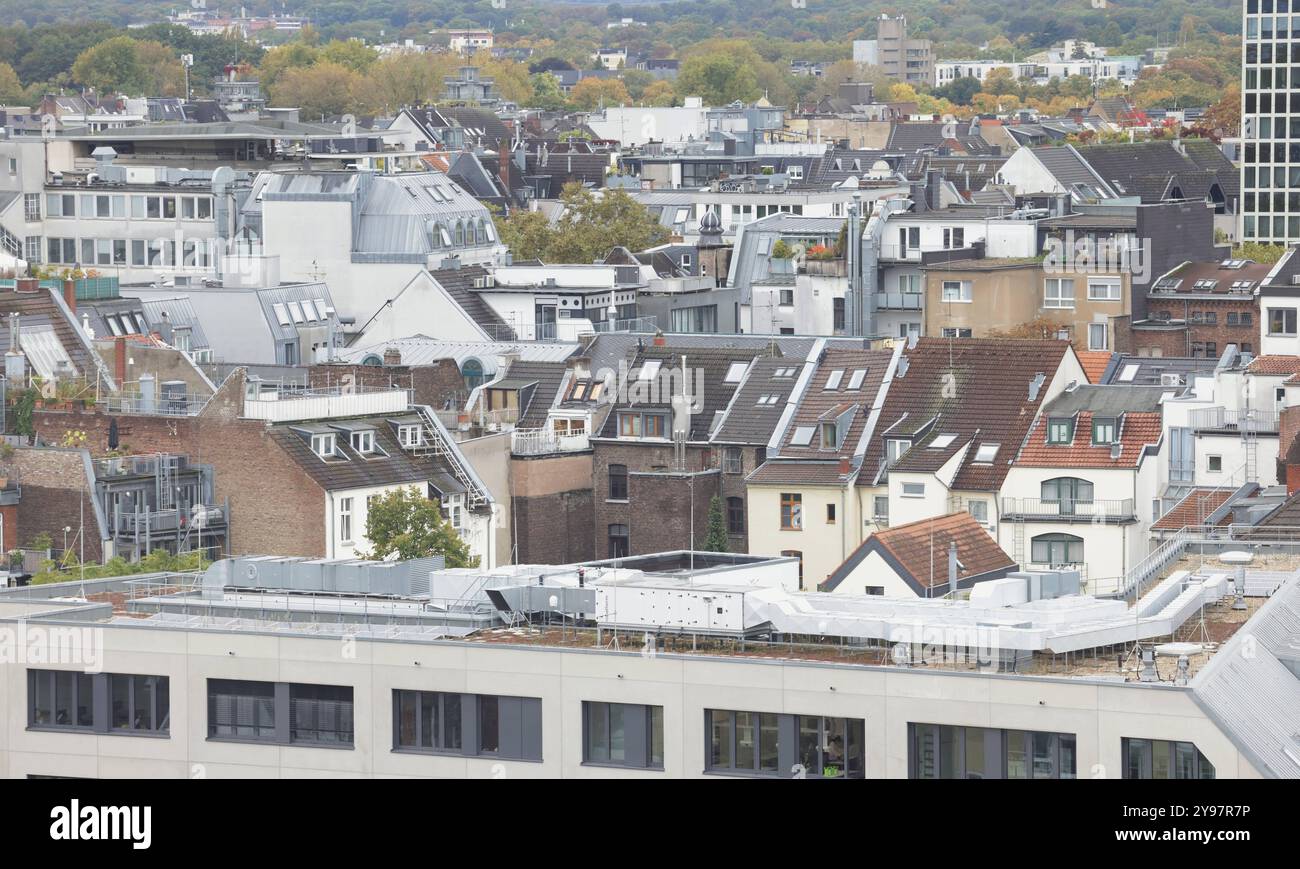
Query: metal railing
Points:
[168, 521]
[632, 324]
[899, 301]
[1222, 419]
[1068, 510]
[170, 405]
[541, 441]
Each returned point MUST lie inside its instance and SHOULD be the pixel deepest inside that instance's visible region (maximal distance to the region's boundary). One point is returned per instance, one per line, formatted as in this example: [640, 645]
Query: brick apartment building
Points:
[1198, 308]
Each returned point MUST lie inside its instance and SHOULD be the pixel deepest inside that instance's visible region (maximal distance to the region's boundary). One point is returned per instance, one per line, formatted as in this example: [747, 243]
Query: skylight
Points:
[855, 382]
[833, 382]
[282, 314]
[987, 452]
[942, 442]
[649, 368]
[735, 372]
[803, 436]
[1130, 371]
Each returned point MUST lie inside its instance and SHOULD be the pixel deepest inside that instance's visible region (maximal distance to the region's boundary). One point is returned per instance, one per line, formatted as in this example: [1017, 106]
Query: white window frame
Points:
[1095, 342]
[956, 291]
[1058, 298]
[363, 442]
[1105, 289]
[410, 436]
[324, 445]
[345, 520]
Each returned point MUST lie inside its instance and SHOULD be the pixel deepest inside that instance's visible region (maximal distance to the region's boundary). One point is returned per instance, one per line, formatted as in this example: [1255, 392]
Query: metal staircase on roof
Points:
[436, 440]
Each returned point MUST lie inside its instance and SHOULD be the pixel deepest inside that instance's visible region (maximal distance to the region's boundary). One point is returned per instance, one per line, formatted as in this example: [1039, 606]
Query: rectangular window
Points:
[363, 442]
[956, 291]
[1097, 339]
[1103, 430]
[320, 714]
[98, 702]
[428, 721]
[735, 515]
[617, 482]
[940, 751]
[1058, 293]
[1282, 321]
[323, 445]
[831, 747]
[345, 520]
[830, 514]
[743, 742]
[880, 509]
[621, 734]
[1162, 759]
[32, 207]
[895, 448]
[1060, 430]
[914, 490]
[732, 460]
[410, 436]
[791, 512]
[242, 710]
[979, 510]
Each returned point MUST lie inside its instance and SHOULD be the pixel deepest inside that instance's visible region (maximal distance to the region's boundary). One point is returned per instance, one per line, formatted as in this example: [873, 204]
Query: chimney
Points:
[70, 294]
[845, 466]
[392, 357]
[581, 367]
[659, 340]
[503, 163]
[27, 285]
[119, 360]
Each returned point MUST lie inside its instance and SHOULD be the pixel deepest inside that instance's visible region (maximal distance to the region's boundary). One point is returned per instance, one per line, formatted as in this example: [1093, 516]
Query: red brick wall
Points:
[1221, 334]
[11, 530]
[1288, 428]
[276, 508]
[434, 384]
[54, 492]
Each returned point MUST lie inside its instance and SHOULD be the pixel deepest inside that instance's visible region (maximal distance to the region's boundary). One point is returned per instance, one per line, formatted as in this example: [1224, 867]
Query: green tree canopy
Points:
[591, 226]
[717, 540]
[408, 524]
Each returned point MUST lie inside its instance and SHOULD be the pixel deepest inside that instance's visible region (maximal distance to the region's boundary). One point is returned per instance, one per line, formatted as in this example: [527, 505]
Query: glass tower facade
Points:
[1270, 121]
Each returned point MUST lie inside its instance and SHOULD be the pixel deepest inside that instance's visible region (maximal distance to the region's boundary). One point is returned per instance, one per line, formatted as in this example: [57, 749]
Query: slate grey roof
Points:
[423, 350]
[351, 471]
[608, 348]
[546, 377]
[1251, 694]
[1106, 400]
[1150, 369]
[747, 421]
[1069, 168]
[459, 284]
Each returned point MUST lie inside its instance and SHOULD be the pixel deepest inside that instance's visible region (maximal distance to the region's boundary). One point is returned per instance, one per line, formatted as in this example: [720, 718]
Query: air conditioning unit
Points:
[1171, 380]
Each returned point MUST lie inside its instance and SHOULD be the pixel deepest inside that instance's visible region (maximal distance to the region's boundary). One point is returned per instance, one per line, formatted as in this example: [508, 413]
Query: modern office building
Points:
[1270, 112]
[669, 665]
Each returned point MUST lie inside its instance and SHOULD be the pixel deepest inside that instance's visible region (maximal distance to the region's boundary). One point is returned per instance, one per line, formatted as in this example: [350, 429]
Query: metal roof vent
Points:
[1036, 385]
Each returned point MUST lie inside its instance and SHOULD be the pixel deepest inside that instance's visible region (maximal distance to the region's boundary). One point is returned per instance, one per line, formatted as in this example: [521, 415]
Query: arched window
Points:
[1056, 549]
[1066, 492]
[472, 371]
[460, 234]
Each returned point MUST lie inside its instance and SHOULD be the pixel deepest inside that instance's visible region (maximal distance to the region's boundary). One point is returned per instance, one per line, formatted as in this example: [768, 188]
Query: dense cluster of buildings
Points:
[912, 448]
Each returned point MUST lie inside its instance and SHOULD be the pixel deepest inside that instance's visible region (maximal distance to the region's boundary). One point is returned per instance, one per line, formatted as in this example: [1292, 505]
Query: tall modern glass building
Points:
[1270, 122]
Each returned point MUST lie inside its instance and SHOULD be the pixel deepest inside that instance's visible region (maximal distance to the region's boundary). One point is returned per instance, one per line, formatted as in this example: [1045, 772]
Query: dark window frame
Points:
[642, 737]
[98, 705]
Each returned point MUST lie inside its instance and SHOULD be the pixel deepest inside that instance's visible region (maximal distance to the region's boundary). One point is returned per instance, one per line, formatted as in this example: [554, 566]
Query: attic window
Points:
[409, 436]
[783, 373]
[1103, 430]
[1130, 371]
[987, 452]
[296, 312]
[323, 445]
[1060, 430]
[649, 368]
[282, 314]
[768, 400]
[942, 442]
[830, 436]
[735, 372]
[803, 436]
[363, 442]
[855, 381]
[833, 382]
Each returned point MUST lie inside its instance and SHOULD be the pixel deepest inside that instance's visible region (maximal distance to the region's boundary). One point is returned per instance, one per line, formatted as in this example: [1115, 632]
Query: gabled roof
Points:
[976, 389]
[459, 284]
[707, 369]
[848, 398]
[918, 552]
[546, 378]
[750, 422]
[1070, 169]
[1155, 171]
[1274, 365]
[1136, 410]
[1094, 363]
[47, 331]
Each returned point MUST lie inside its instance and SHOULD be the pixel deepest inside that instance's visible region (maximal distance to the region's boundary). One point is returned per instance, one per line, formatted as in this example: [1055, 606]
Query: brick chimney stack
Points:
[392, 357]
[70, 295]
[119, 360]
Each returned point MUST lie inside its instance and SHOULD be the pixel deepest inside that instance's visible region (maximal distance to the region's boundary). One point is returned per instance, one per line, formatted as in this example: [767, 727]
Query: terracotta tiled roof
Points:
[1274, 365]
[1094, 363]
[797, 473]
[1136, 432]
[1194, 510]
[976, 389]
[920, 552]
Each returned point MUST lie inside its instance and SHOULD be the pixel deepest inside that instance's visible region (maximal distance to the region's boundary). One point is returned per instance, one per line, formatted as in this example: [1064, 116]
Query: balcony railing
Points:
[167, 522]
[316, 403]
[541, 441]
[632, 324]
[1068, 510]
[899, 301]
[1235, 421]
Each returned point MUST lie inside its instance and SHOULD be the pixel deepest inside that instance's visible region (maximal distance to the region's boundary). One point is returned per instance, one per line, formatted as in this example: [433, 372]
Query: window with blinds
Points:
[241, 710]
[320, 714]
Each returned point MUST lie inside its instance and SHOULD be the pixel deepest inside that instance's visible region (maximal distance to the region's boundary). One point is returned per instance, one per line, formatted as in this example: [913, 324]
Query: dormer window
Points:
[1103, 430]
[410, 436]
[830, 436]
[1060, 430]
[363, 442]
[895, 448]
[323, 445]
